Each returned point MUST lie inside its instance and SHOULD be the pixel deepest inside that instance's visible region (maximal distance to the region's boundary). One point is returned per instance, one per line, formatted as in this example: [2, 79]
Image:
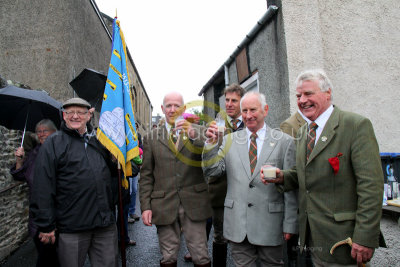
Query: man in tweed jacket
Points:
[341, 183]
[173, 193]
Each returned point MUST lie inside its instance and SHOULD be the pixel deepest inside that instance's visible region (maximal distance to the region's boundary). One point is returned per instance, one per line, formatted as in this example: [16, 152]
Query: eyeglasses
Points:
[72, 113]
[42, 132]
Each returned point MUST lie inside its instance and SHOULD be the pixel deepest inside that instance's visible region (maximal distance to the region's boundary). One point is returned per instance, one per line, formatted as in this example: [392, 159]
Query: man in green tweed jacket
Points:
[172, 190]
[341, 183]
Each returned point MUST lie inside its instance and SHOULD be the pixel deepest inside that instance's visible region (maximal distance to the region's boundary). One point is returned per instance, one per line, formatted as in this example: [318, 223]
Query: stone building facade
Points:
[45, 45]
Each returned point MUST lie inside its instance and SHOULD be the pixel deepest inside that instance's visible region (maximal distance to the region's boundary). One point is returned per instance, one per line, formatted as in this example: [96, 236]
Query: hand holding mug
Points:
[271, 174]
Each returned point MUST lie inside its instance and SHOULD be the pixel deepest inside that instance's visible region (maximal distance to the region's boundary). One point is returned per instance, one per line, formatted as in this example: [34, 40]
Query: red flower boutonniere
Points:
[335, 162]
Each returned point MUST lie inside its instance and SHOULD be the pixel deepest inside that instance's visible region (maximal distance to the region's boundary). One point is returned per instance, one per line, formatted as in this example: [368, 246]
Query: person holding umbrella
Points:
[74, 193]
[23, 171]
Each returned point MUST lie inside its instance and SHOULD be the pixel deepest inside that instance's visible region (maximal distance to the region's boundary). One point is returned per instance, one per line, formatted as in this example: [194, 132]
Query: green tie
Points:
[173, 136]
[311, 138]
[234, 124]
[253, 152]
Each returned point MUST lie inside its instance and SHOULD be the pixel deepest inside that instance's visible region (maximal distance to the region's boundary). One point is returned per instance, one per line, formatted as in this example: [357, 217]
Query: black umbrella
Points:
[89, 85]
[21, 109]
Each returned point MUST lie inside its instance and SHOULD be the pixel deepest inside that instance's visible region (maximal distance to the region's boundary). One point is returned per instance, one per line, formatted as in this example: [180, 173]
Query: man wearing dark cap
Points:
[73, 200]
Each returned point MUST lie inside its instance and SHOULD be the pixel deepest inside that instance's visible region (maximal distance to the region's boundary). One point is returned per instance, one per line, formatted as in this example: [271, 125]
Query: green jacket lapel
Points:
[182, 140]
[163, 138]
[299, 119]
[327, 134]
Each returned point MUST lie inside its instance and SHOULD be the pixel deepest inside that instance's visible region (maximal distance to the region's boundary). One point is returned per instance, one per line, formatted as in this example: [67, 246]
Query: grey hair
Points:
[46, 123]
[260, 96]
[315, 75]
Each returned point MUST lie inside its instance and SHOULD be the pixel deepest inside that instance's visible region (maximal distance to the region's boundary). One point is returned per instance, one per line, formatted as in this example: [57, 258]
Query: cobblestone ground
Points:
[146, 252]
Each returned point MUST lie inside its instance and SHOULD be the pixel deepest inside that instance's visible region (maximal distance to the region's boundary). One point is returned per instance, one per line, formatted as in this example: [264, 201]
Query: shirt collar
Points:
[322, 119]
[260, 133]
[168, 126]
[230, 120]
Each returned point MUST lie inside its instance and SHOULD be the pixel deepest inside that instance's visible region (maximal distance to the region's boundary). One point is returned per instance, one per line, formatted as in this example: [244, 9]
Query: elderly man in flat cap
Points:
[73, 200]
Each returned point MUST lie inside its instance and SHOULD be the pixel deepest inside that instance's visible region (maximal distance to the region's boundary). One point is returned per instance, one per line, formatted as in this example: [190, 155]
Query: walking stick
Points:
[121, 219]
[347, 241]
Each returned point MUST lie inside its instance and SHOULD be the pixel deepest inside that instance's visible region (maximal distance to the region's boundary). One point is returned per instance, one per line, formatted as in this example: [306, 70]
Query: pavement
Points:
[146, 253]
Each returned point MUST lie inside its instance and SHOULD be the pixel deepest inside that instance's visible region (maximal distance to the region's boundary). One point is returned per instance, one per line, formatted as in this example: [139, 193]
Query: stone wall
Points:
[46, 44]
[14, 202]
[356, 42]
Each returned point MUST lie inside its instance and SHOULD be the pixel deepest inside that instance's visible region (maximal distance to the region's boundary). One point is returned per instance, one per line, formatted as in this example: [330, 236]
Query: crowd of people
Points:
[326, 184]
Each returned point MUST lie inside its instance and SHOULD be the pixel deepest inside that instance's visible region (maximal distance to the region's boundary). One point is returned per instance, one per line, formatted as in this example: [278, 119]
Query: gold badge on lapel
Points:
[324, 138]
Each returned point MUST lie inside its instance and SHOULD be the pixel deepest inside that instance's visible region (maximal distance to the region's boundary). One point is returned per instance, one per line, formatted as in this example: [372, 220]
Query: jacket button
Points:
[249, 205]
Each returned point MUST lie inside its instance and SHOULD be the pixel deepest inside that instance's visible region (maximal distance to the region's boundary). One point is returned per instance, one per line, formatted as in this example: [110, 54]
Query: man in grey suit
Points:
[257, 218]
[217, 186]
[173, 193]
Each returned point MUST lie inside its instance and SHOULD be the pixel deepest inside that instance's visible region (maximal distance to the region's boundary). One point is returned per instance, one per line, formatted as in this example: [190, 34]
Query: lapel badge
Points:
[324, 138]
[271, 144]
[184, 137]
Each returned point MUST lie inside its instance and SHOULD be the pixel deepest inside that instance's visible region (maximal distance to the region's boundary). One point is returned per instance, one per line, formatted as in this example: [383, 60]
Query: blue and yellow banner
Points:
[117, 130]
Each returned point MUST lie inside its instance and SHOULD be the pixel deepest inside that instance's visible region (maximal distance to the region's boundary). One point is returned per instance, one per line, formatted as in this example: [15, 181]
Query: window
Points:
[251, 84]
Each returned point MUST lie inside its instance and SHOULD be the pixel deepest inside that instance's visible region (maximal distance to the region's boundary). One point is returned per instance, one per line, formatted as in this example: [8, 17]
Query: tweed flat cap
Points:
[76, 101]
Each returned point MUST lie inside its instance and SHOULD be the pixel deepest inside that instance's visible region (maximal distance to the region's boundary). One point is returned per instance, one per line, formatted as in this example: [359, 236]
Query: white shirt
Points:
[168, 126]
[320, 121]
[259, 140]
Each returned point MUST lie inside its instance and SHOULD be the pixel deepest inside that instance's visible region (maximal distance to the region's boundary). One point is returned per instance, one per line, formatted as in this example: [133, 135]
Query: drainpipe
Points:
[226, 75]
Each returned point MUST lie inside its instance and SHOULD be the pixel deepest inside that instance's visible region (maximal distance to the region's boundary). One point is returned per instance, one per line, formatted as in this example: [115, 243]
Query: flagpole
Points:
[121, 219]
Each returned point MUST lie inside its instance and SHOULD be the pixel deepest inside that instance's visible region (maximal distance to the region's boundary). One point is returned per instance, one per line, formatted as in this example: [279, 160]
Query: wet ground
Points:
[146, 253]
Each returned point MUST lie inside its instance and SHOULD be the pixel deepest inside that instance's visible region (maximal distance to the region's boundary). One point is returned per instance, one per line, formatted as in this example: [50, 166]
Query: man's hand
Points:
[287, 236]
[186, 126]
[48, 238]
[19, 157]
[212, 133]
[361, 254]
[277, 180]
[146, 217]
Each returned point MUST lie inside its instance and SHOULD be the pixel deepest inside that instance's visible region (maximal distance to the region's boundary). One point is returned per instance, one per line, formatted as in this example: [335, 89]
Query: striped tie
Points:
[234, 124]
[173, 136]
[253, 152]
[311, 138]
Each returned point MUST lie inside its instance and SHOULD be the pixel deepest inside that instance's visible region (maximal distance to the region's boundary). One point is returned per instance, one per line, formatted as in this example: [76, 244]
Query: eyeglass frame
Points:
[71, 113]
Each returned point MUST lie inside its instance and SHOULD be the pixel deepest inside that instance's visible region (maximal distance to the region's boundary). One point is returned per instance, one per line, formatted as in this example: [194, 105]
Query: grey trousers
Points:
[245, 254]
[195, 237]
[101, 244]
